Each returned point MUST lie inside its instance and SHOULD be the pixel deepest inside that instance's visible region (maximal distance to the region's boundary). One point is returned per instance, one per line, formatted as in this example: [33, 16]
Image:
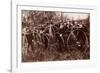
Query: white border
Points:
[17, 66]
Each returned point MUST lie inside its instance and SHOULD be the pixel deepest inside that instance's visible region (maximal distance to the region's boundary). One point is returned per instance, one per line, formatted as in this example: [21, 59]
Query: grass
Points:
[40, 54]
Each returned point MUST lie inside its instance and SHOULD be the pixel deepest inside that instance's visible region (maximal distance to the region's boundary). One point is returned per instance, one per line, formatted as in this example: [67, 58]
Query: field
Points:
[41, 54]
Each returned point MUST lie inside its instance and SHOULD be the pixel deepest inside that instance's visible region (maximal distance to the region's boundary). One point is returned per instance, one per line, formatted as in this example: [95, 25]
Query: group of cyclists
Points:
[61, 36]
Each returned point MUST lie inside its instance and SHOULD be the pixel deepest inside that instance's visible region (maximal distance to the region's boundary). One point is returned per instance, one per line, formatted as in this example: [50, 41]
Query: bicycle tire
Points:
[86, 42]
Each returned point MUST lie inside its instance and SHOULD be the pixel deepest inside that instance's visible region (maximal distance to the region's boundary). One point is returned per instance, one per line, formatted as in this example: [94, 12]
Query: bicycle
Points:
[77, 39]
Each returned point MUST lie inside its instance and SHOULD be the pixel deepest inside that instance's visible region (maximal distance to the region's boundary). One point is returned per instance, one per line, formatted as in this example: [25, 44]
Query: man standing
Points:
[29, 37]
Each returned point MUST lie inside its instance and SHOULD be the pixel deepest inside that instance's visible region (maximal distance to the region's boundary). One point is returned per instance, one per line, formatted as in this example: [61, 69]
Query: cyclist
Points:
[29, 37]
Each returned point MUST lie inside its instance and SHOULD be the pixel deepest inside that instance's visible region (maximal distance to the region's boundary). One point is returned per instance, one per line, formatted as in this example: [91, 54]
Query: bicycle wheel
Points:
[77, 39]
[44, 40]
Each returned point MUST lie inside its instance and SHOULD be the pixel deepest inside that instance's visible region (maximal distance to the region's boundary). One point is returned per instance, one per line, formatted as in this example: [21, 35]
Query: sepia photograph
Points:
[54, 36]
